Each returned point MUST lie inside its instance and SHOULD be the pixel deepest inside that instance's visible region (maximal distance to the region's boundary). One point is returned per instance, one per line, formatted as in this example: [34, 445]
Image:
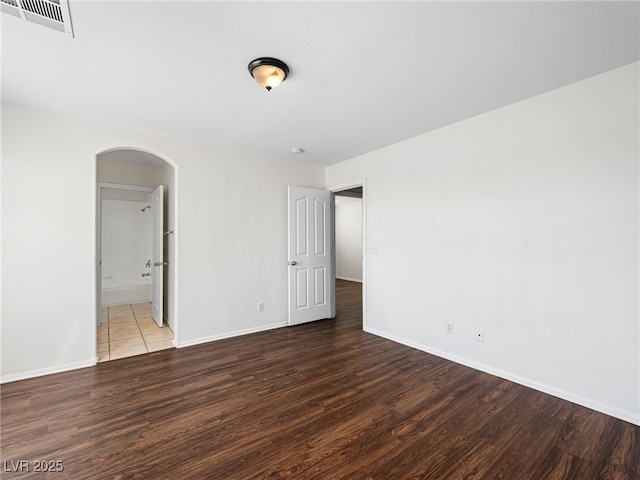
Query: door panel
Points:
[302, 283]
[301, 233]
[320, 217]
[158, 260]
[310, 256]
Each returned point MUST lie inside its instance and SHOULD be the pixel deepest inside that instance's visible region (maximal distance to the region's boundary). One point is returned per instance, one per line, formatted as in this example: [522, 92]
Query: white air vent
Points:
[48, 13]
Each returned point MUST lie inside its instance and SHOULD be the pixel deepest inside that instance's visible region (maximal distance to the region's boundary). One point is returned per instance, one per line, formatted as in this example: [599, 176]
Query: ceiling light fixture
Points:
[268, 72]
[296, 150]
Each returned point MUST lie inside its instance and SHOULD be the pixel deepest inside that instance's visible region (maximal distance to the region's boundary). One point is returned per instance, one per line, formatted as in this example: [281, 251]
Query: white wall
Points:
[348, 238]
[127, 239]
[129, 173]
[522, 222]
[231, 229]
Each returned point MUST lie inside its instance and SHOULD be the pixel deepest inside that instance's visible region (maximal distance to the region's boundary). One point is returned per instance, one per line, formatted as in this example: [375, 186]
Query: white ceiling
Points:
[363, 74]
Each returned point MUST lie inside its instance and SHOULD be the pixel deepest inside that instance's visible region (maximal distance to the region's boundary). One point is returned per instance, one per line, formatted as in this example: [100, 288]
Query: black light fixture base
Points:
[268, 61]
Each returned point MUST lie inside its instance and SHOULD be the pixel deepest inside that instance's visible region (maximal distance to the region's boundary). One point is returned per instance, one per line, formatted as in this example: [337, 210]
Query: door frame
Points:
[100, 187]
[172, 253]
[362, 182]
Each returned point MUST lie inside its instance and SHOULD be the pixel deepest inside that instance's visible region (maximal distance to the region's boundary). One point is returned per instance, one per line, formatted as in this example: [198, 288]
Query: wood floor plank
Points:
[324, 400]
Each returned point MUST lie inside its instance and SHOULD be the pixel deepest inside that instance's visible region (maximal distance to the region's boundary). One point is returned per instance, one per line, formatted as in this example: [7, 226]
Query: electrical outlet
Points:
[480, 335]
[261, 307]
[450, 328]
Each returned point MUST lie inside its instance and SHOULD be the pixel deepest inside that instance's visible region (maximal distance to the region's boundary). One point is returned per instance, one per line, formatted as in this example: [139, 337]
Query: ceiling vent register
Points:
[48, 13]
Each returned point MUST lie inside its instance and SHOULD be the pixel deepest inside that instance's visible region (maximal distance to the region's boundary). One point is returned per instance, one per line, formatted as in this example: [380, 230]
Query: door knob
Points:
[293, 263]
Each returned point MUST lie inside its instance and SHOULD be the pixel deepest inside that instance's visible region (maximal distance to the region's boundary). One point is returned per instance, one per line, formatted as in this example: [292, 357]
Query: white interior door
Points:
[99, 256]
[157, 254]
[310, 255]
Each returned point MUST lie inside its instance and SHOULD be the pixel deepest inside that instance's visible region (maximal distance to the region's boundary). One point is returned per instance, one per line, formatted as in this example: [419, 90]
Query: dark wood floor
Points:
[318, 401]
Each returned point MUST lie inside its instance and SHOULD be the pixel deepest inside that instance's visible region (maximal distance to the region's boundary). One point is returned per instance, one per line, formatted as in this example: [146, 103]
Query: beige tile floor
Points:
[128, 330]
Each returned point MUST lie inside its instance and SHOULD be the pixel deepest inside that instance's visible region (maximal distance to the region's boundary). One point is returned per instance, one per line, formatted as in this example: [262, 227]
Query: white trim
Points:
[622, 414]
[124, 186]
[40, 372]
[222, 336]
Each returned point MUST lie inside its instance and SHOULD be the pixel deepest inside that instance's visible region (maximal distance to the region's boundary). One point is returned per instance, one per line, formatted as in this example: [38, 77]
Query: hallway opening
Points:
[136, 253]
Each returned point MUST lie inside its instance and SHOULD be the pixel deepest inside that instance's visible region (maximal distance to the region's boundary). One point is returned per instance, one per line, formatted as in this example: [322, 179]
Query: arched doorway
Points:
[136, 253]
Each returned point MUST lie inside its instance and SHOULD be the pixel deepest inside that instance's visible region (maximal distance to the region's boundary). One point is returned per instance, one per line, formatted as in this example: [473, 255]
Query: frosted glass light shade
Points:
[268, 72]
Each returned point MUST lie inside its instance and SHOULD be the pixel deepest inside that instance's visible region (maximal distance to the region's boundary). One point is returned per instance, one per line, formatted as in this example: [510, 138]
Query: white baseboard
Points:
[626, 415]
[349, 279]
[236, 333]
[14, 377]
